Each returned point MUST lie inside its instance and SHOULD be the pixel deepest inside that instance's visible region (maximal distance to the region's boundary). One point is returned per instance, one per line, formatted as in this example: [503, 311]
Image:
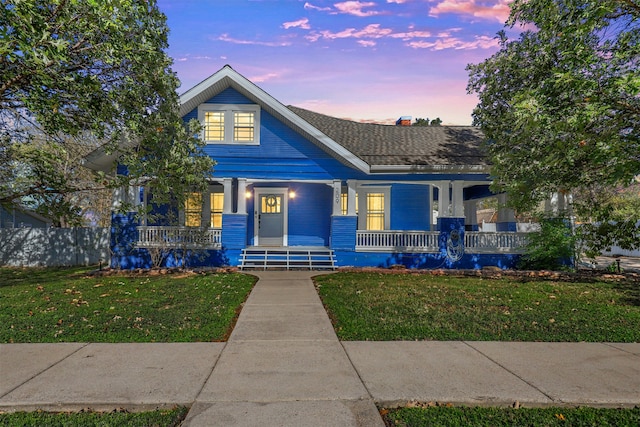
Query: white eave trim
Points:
[430, 169]
[196, 95]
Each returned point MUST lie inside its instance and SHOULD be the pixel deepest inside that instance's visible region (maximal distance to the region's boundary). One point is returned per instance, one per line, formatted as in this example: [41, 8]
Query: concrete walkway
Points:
[283, 365]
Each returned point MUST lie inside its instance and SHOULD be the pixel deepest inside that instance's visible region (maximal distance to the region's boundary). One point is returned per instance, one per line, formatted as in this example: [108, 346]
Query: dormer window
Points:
[230, 124]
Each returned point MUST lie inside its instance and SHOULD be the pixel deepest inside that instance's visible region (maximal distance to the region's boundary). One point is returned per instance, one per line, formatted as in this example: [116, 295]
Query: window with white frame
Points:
[193, 210]
[204, 210]
[374, 206]
[230, 124]
[217, 205]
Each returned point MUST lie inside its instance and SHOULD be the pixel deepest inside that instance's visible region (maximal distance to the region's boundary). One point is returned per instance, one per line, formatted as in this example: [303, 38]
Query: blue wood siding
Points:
[343, 233]
[410, 207]
[234, 231]
[423, 261]
[310, 215]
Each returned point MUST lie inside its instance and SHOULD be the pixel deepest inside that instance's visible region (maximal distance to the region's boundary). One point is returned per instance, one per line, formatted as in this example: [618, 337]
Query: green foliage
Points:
[388, 307]
[426, 122]
[613, 221]
[560, 105]
[553, 247]
[90, 69]
[443, 416]
[158, 418]
[66, 305]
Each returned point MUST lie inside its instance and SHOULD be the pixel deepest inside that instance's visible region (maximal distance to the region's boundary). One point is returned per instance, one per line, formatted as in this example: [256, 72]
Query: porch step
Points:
[287, 258]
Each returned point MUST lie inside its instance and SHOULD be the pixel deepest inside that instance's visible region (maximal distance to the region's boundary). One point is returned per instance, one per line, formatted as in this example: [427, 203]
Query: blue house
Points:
[293, 188]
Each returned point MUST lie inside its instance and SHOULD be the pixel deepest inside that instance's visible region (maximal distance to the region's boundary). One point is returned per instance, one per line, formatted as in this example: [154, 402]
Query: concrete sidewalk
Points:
[283, 365]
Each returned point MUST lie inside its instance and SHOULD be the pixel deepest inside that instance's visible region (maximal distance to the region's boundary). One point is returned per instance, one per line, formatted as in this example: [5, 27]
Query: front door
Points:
[270, 216]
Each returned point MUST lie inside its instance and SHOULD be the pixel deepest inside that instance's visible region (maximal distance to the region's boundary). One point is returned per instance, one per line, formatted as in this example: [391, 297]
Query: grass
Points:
[384, 307]
[158, 418]
[496, 417]
[68, 305]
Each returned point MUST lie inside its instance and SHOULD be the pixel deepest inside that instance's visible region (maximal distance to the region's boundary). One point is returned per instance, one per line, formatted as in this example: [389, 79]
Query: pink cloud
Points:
[264, 77]
[480, 42]
[499, 10]
[411, 35]
[300, 23]
[366, 43]
[313, 7]
[225, 38]
[372, 31]
[355, 8]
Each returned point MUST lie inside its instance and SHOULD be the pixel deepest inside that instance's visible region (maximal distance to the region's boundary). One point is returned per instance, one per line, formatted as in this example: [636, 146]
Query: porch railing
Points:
[427, 241]
[179, 237]
[417, 241]
[497, 242]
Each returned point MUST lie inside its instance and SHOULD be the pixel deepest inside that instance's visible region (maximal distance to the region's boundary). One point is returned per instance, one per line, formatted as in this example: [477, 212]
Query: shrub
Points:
[551, 248]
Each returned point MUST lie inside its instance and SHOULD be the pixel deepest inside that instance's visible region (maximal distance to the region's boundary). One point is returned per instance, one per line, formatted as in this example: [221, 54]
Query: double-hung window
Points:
[204, 210]
[374, 206]
[217, 204]
[193, 210]
[230, 124]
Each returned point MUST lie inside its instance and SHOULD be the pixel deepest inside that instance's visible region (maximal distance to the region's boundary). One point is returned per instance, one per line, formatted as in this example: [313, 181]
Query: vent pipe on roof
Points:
[404, 121]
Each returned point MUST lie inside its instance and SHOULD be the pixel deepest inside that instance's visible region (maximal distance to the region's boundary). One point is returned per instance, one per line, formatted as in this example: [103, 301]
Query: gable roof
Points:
[228, 77]
[390, 148]
[370, 148]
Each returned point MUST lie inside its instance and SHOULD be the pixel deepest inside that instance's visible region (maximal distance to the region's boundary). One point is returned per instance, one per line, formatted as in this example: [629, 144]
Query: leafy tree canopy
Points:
[72, 68]
[560, 105]
[426, 122]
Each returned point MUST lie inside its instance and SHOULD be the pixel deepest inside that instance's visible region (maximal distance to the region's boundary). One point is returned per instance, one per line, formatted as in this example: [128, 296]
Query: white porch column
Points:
[126, 195]
[558, 204]
[337, 197]
[227, 183]
[457, 199]
[242, 197]
[351, 197]
[145, 201]
[443, 198]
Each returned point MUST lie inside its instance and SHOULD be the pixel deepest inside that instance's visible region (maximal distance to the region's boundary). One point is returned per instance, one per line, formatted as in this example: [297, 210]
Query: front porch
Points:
[419, 225]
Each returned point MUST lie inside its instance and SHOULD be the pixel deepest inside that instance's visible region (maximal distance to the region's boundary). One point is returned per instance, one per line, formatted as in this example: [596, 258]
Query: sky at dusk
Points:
[359, 60]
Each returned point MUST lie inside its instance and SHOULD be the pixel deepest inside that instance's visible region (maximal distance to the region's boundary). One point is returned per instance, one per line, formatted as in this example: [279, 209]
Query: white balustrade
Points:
[427, 241]
[422, 241]
[498, 242]
[179, 237]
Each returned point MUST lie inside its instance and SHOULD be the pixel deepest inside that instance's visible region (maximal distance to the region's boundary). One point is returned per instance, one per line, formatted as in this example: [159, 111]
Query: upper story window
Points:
[230, 124]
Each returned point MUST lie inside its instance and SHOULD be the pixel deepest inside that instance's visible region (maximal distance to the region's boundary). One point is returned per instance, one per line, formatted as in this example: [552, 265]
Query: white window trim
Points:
[362, 204]
[229, 109]
[205, 213]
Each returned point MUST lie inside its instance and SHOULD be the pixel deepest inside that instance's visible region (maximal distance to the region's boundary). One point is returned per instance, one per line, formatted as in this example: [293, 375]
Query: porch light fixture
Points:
[292, 194]
[247, 194]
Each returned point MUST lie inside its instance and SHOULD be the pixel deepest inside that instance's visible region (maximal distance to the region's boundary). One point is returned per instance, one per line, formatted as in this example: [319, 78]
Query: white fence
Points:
[52, 247]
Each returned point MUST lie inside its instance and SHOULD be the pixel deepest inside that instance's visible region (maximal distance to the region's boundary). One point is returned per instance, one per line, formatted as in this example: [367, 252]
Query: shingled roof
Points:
[387, 145]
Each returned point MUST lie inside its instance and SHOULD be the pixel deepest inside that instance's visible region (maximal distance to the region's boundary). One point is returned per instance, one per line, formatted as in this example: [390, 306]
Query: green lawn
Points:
[68, 305]
[382, 307]
[496, 417]
[159, 418]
